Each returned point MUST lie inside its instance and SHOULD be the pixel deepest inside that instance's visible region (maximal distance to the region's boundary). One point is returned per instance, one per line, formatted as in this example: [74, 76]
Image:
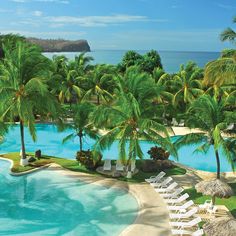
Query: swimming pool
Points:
[48, 203]
[49, 140]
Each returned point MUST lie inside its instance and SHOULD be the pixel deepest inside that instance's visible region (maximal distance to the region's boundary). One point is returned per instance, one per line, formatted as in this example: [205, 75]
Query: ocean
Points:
[171, 60]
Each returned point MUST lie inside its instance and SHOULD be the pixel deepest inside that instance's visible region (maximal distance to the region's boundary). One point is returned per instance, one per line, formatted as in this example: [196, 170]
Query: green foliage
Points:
[229, 34]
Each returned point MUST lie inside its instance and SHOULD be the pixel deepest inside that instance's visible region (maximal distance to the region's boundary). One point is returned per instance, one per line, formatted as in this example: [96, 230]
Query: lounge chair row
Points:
[119, 165]
[182, 216]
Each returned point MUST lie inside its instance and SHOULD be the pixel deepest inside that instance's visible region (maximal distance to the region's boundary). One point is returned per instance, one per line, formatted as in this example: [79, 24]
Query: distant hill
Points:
[61, 45]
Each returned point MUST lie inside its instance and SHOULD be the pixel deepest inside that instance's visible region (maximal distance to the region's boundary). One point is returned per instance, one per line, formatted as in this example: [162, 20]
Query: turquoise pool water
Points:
[48, 203]
[50, 142]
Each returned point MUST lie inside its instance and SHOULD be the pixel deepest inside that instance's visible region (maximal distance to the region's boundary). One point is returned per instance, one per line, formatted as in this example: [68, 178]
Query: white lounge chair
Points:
[168, 189]
[182, 207]
[174, 194]
[184, 224]
[107, 165]
[207, 204]
[185, 215]
[156, 178]
[162, 184]
[181, 232]
[119, 165]
[212, 209]
[178, 200]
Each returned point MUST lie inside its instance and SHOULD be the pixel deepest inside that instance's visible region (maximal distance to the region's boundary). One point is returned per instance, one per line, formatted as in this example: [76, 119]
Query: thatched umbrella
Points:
[214, 188]
[225, 225]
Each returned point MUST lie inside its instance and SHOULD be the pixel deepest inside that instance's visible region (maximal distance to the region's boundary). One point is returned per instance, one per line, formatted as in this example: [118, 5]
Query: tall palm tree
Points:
[212, 117]
[100, 82]
[23, 87]
[221, 72]
[81, 123]
[187, 83]
[130, 119]
[229, 34]
[65, 80]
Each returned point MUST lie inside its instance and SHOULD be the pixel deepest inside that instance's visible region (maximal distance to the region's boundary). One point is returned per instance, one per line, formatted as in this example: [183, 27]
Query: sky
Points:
[179, 25]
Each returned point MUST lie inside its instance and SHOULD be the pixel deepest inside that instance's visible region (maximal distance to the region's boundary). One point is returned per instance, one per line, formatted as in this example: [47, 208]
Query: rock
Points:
[31, 159]
[149, 166]
[38, 154]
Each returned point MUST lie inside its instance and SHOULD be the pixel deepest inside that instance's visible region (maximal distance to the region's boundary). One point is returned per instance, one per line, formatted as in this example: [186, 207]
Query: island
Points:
[61, 45]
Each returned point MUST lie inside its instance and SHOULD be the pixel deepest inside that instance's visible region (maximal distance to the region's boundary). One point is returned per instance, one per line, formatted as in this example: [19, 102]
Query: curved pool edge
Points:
[152, 216]
[152, 213]
[229, 176]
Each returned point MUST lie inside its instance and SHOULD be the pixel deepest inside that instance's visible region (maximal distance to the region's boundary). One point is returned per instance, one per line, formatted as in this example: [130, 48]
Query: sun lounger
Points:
[184, 224]
[156, 178]
[119, 165]
[212, 209]
[178, 200]
[107, 165]
[185, 215]
[174, 194]
[162, 184]
[181, 232]
[168, 189]
[207, 204]
[182, 207]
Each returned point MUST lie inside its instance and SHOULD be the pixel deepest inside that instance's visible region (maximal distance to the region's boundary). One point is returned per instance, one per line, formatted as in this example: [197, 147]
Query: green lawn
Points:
[75, 166]
[230, 203]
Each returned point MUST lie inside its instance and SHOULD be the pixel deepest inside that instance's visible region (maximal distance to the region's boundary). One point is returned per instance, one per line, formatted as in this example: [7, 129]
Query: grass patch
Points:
[73, 165]
[230, 203]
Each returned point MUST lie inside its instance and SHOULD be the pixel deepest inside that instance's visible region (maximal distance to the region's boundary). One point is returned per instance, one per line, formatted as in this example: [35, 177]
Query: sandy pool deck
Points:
[153, 216]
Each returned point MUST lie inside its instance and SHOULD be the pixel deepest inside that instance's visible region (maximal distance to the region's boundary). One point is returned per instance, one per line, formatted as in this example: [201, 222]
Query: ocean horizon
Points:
[171, 60]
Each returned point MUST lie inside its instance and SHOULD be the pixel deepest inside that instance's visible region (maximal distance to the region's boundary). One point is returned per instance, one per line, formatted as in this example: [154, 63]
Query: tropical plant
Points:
[65, 81]
[100, 82]
[130, 119]
[221, 72]
[212, 118]
[23, 87]
[229, 34]
[81, 124]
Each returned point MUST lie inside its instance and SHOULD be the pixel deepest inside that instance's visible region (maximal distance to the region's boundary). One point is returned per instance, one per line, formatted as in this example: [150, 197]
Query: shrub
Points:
[86, 159]
[158, 153]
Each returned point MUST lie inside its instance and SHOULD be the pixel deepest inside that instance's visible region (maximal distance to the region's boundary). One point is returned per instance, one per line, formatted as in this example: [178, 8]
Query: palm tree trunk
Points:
[98, 99]
[218, 163]
[22, 139]
[81, 141]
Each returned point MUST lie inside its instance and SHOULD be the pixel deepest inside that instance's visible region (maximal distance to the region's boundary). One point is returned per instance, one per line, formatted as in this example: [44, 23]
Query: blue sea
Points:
[171, 60]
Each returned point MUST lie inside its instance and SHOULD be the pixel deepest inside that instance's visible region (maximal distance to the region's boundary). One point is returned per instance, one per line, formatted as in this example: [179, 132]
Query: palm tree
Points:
[23, 87]
[130, 119]
[187, 83]
[81, 124]
[82, 64]
[229, 34]
[101, 82]
[65, 81]
[221, 72]
[212, 117]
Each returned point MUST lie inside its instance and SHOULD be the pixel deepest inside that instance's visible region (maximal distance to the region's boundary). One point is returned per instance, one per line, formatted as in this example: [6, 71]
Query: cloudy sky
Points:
[181, 25]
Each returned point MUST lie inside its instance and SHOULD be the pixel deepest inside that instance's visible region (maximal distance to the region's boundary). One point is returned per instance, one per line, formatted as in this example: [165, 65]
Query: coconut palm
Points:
[187, 83]
[82, 64]
[229, 34]
[66, 80]
[130, 119]
[221, 72]
[212, 117]
[81, 124]
[100, 82]
[23, 87]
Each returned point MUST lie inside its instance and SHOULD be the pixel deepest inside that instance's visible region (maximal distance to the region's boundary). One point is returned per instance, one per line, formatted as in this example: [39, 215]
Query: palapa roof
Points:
[220, 226]
[214, 187]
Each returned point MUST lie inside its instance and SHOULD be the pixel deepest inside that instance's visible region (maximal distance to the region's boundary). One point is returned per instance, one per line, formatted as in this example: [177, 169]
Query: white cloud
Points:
[93, 21]
[225, 6]
[37, 13]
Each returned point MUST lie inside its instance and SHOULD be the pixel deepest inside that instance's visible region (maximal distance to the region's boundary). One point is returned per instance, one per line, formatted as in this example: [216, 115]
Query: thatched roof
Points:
[224, 225]
[215, 188]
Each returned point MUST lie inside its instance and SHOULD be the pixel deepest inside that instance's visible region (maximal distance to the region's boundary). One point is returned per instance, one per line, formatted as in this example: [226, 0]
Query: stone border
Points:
[152, 216]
